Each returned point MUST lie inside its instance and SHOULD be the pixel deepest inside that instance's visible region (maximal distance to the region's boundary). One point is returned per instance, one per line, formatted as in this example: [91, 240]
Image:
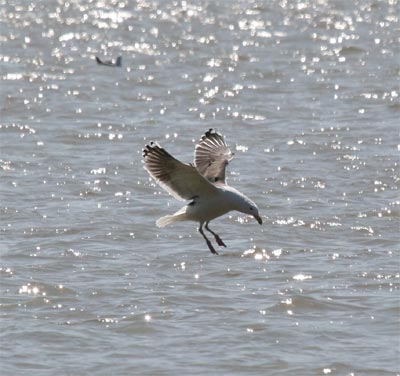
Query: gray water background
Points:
[307, 94]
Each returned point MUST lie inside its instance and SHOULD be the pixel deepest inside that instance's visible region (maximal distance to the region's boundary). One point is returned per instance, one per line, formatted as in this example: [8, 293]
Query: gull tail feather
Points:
[176, 217]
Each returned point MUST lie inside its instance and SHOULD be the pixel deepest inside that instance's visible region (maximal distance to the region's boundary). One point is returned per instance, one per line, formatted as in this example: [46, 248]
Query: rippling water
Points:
[307, 94]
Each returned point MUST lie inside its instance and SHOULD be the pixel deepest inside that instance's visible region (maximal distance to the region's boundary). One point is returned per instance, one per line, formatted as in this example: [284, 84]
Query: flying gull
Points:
[203, 183]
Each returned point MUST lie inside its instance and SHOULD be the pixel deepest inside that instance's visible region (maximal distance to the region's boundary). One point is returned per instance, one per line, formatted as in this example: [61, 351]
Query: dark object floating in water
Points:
[110, 63]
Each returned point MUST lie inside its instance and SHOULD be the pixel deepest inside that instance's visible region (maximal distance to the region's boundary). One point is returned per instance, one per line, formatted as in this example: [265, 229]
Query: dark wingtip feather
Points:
[211, 133]
[148, 149]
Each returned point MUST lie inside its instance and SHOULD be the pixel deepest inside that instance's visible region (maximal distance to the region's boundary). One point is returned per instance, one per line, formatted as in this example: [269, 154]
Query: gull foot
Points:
[212, 249]
[219, 241]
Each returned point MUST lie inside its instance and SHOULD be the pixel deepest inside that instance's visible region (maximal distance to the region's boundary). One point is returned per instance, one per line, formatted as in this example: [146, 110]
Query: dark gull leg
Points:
[211, 248]
[216, 236]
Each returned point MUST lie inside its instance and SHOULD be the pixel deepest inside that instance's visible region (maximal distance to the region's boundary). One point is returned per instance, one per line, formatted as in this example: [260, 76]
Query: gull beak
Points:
[259, 220]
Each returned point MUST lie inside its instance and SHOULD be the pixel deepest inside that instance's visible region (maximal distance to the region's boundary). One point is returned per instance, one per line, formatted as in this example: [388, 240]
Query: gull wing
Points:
[212, 155]
[181, 180]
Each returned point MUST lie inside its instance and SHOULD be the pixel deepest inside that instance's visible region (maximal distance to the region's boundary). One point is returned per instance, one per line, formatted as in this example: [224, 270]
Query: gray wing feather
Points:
[212, 155]
[181, 180]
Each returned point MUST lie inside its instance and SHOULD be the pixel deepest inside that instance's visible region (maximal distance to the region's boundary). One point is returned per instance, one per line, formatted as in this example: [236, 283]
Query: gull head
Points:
[249, 207]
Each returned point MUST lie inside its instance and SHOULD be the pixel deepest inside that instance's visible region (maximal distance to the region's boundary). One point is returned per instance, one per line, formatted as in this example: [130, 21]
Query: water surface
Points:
[307, 94]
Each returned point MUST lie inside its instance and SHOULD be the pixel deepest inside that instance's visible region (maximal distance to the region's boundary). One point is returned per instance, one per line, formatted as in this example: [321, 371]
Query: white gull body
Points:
[202, 183]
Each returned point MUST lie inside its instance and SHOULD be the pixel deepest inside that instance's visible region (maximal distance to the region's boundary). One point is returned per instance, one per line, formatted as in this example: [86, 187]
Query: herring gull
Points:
[203, 183]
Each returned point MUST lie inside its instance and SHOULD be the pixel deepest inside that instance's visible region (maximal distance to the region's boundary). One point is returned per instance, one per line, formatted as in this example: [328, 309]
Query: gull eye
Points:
[251, 208]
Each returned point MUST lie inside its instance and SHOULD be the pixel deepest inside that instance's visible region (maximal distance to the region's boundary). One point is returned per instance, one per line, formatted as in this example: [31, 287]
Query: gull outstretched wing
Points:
[181, 180]
[212, 155]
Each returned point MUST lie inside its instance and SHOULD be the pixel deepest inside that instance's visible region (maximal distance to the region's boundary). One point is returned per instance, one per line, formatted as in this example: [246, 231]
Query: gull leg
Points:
[216, 236]
[210, 246]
